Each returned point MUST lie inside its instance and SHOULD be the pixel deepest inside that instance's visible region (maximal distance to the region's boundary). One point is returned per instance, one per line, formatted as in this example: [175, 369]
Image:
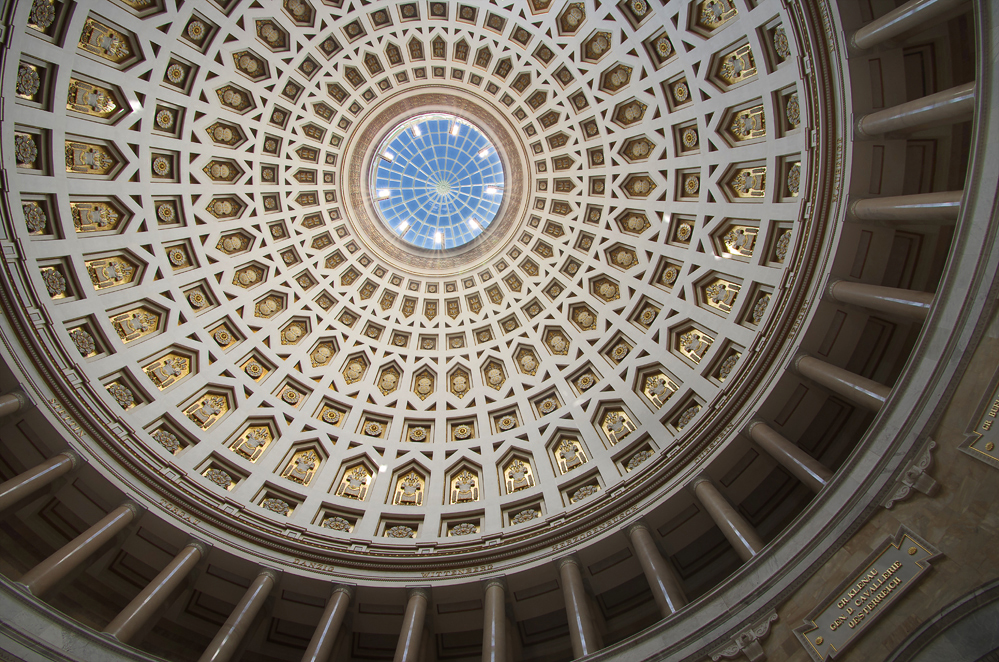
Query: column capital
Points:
[422, 591]
[494, 581]
[697, 480]
[567, 560]
[637, 525]
[202, 547]
[270, 573]
[851, 210]
[23, 401]
[748, 430]
[346, 589]
[797, 360]
[74, 457]
[136, 508]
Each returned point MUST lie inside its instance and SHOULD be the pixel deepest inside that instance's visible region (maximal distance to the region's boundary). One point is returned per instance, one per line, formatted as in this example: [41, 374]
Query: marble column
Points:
[800, 464]
[666, 588]
[582, 632]
[44, 576]
[329, 625]
[946, 107]
[411, 635]
[940, 208]
[902, 19]
[13, 402]
[740, 533]
[859, 390]
[147, 604]
[25, 484]
[908, 304]
[494, 621]
[225, 643]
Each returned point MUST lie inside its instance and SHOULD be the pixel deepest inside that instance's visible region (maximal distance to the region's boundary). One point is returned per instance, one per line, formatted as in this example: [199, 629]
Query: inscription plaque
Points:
[982, 441]
[846, 613]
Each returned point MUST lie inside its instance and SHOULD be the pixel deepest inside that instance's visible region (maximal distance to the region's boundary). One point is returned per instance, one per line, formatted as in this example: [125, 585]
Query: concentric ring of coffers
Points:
[286, 351]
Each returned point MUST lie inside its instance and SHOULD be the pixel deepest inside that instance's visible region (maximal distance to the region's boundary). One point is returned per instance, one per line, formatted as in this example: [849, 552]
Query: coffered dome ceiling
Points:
[234, 328]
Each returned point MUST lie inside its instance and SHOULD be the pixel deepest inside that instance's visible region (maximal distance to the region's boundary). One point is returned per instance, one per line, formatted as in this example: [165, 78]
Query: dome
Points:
[389, 301]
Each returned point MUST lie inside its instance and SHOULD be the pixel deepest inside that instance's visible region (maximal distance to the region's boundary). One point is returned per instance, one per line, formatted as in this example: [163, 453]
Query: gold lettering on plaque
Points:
[839, 620]
[982, 433]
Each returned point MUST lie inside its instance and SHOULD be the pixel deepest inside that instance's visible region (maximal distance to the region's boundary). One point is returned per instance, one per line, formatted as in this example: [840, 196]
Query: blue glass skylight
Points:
[437, 181]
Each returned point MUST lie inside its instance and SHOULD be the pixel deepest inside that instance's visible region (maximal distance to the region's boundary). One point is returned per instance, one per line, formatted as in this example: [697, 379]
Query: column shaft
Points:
[34, 479]
[734, 527]
[922, 208]
[662, 580]
[909, 304]
[49, 572]
[858, 390]
[947, 107]
[329, 626]
[225, 643]
[582, 633]
[494, 623]
[411, 635]
[802, 466]
[148, 602]
[902, 19]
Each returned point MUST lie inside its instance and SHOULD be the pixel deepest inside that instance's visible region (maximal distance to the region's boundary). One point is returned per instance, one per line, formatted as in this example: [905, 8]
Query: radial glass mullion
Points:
[430, 183]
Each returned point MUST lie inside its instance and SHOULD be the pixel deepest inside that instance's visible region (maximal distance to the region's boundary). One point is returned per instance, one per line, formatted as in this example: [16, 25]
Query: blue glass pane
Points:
[437, 182]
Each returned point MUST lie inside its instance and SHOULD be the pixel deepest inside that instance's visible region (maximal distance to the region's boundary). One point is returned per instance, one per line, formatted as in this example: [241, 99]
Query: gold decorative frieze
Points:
[208, 409]
[409, 489]
[110, 272]
[737, 66]
[659, 388]
[252, 443]
[569, 455]
[740, 240]
[616, 425]
[527, 361]
[465, 487]
[557, 343]
[518, 475]
[720, 294]
[460, 382]
[694, 344]
[355, 482]
[302, 467]
[89, 158]
[168, 370]
[92, 99]
[749, 183]
[748, 124]
[712, 14]
[268, 306]
[137, 323]
[105, 42]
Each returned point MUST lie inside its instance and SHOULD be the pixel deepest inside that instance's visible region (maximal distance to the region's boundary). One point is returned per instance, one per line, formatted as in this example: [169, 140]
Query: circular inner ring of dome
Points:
[437, 181]
[361, 152]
